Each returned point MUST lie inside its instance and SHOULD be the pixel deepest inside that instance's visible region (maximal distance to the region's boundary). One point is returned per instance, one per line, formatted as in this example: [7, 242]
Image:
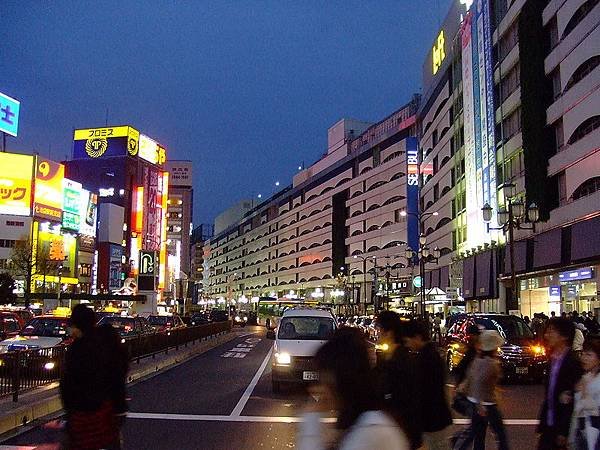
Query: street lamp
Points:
[509, 218]
[423, 256]
[60, 268]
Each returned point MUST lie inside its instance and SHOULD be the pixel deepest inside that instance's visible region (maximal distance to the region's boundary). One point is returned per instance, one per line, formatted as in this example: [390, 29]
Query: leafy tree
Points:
[7, 288]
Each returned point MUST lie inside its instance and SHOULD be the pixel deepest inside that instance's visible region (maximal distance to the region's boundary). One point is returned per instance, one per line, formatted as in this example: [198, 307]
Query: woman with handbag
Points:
[480, 388]
[585, 426]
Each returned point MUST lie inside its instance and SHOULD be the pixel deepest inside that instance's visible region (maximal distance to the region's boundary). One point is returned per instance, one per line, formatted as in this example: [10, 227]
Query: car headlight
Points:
[49, 365]
[237, 318]
[538, 350]
[3, 348]
[245, 318]
[283, 358]
[383, 347]
[500, 352]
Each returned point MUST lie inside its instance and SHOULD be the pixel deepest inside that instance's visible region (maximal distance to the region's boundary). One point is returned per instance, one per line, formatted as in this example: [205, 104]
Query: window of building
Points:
[512, 124]
[584, 129]
[579, 15]
[562, 188]
[510, 83]
[553, 32]
[589, 187]
[436, 192]
[582, 71]
[434, 137]
[556, 86]
[559, 134]
[508, 41]
[13, 223]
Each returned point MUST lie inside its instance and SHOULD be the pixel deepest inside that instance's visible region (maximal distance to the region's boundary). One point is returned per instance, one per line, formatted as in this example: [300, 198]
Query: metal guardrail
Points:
[23, 370]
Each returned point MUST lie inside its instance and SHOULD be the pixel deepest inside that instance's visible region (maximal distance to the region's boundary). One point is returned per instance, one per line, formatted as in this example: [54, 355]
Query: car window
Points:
[11, 324]
[509, 327]
[48, 327]
[306, 328]
[122, 324]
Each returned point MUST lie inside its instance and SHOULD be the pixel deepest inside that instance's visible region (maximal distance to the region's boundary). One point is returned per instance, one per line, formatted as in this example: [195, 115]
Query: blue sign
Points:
[9, 114]
[412, 192]
[554, 291]
[580, 274]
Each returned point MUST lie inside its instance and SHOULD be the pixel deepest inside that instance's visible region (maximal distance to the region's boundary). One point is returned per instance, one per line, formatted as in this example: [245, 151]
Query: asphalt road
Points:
[223, 400]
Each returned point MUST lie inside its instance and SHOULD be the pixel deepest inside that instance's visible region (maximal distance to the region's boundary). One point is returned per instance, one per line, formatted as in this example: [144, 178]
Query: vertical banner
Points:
[469, 127]
[479, 121]
[164, 195]
[412, 192]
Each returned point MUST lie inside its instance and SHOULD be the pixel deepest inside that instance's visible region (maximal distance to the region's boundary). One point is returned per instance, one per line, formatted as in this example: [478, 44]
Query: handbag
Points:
[461, 404]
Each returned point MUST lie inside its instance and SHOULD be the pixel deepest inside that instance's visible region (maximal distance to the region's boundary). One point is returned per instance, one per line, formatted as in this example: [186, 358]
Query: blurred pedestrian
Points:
[480, 388]
[591, 323]
[435, 413]
[117, 365]
[585, 426]
[346, 386]
[460, 402]
[563, 375]
[85, 389]
[397, 363]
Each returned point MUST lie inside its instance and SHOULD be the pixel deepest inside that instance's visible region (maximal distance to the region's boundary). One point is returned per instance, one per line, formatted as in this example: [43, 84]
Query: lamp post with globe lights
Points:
[422, 256]
[513, 216]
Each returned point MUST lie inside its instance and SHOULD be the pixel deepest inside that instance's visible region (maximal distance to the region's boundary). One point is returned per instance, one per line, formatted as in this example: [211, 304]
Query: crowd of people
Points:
[402, 403]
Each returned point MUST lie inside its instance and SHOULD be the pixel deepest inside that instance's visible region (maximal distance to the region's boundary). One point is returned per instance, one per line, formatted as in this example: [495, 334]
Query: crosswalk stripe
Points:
[276, 419]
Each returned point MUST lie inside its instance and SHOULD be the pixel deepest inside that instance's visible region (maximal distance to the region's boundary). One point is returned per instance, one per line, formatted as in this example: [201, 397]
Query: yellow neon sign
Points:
[438, 52]
[110, 132]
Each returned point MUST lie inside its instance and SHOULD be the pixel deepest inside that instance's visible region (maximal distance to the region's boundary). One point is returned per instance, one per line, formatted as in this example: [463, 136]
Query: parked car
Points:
[199, 319]
[521, 355]
[129, 327]
[298, 337]
[241, 318]
[219, 315]
[40, 332]
[10, 324]
[164, 323]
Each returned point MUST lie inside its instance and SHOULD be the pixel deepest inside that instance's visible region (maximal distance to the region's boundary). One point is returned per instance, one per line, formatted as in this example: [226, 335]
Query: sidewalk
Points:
[43, 401]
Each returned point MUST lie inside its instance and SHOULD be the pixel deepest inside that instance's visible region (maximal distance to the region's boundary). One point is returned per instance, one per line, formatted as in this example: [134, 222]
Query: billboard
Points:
[480, 150]
[15, 183]
[48, 190]
[61, 249]
[71, 201]
[152, 151]
[152, 216]
[105, 142]
[88, 211]
[115, 265]
[9, 114]
[180, 173]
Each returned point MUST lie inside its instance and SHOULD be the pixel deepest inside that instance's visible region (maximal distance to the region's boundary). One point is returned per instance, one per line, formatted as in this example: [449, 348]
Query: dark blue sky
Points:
[245, 89]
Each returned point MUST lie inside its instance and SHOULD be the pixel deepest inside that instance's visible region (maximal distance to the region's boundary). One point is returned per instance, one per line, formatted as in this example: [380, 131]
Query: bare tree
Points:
[23, 264]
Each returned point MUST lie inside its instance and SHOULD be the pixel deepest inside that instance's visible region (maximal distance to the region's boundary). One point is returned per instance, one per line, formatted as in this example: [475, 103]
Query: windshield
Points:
[120, 323]
[47, 328]
[510, 327]
[306, 328]
[160, 320]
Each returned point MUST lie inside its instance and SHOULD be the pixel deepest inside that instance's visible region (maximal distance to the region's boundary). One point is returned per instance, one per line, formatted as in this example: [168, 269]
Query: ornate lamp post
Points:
[512, 217]
[422, 256]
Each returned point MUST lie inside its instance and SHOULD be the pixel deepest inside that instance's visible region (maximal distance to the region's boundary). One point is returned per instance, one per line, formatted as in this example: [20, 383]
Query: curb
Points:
[25, 414]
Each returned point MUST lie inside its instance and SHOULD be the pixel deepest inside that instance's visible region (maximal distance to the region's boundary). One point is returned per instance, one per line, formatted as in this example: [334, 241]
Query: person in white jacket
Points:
[346, 387]
[585, 426]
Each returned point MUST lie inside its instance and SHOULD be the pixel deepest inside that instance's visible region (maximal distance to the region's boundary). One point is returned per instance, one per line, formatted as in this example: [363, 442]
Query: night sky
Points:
[245, 89]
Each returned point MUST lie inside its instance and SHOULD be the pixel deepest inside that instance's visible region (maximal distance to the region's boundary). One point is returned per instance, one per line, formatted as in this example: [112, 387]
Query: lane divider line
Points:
[278, 419]
[248, 392]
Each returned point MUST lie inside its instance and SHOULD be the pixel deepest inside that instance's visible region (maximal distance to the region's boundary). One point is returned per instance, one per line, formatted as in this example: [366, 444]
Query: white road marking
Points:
[277, 419]
[15, 447]
[246, 395]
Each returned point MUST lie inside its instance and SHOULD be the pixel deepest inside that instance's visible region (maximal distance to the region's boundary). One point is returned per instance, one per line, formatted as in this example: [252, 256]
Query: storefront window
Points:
[572, 290]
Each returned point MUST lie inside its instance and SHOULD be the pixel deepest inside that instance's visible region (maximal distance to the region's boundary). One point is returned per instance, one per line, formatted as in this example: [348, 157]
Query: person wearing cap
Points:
[460, 403]
[480, 388]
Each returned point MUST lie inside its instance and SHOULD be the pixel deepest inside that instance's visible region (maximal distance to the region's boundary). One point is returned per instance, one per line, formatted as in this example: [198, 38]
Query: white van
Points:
[299, 335]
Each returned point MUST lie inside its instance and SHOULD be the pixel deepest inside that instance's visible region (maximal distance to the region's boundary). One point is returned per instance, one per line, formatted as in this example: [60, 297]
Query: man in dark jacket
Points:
[396, 377]
[565, 372]
[435, 413]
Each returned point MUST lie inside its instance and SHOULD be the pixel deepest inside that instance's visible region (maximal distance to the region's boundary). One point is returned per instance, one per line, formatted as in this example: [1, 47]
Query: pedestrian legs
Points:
[479, 424]
[497, 426]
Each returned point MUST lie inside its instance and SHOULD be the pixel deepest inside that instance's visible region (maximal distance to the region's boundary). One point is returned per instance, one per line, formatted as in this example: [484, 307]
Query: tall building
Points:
[199, 273]
[179, 223]
[492, 126]
[126, 168]
[336, 229]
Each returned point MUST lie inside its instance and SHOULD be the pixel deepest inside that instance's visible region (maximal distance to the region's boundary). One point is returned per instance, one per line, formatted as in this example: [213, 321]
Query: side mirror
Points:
[271, 334]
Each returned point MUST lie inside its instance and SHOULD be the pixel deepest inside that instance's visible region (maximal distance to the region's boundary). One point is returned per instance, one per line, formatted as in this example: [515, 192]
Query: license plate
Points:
[522, 370]
[310, 376]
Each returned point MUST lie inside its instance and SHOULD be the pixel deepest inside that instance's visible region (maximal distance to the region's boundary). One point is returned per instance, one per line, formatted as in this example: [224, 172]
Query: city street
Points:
[223, 399]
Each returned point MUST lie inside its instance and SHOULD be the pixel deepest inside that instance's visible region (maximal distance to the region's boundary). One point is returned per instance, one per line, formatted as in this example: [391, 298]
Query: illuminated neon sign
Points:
[438, 52]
